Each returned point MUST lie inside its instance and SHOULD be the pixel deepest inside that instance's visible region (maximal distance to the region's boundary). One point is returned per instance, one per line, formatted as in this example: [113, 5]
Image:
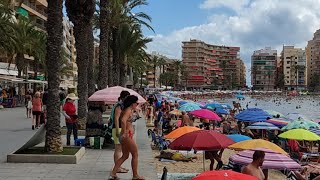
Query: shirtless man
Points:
[253, 168]
[185, 120]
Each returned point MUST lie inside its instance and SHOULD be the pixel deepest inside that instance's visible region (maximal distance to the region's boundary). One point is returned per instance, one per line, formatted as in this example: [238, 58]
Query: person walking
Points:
[69, 111]
[36, 110]
[116, 128]
[128, 144]
[28, 105]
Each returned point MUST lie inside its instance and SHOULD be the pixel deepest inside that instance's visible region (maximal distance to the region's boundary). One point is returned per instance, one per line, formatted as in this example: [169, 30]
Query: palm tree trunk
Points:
[110, 63]
[53, 56]
[104, 45]
[123, 72]
[81, 36]
[91, 81]
[20, 64]
[154, 78]
[35, 70]
[115, 57]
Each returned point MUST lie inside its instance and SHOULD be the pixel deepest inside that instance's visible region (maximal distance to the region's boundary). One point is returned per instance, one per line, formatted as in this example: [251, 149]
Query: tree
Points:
[80, 12]
[104, 21]
[167, 78]
[54, 41]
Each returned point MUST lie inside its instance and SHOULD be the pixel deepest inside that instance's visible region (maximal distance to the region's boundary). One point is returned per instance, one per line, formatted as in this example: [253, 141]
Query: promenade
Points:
[15, 130]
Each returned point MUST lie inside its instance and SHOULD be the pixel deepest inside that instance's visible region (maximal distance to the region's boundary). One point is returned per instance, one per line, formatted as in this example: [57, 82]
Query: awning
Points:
[8, 72]
[12, 79]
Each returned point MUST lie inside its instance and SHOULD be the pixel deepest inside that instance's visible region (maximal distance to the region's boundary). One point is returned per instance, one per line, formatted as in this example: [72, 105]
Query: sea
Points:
[308, 106]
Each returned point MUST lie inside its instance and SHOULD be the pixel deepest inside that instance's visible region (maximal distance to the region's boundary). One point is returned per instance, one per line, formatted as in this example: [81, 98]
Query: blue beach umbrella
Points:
[238, 137]
[226, 106]
[189, 107]
[263, 125]
[213, 106]
[253, 115]
[221, 111]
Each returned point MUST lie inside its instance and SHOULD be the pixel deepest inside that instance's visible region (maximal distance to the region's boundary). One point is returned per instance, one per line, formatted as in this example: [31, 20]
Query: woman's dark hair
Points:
[123, 95]
[129, 100]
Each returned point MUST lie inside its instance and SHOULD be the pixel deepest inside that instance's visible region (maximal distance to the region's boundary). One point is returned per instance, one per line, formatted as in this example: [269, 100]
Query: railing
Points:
[34, 7]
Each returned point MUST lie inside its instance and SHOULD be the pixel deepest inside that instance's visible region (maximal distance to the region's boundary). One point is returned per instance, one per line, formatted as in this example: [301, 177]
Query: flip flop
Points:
[113, 177]
[138, 178]
[122, 170]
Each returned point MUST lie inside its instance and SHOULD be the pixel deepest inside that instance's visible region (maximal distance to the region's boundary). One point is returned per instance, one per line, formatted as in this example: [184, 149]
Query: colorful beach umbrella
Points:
[253, 115]
[315, 130]
[263, 125]
[280, 122]
[300, 134]
[300, 124]
[189, 107]
[257, 143]
[181, 131]
[205, 114]
[272, 160]
[201, 140]
[226, 106]
[223, 175]
[238, 137]
[110, 95]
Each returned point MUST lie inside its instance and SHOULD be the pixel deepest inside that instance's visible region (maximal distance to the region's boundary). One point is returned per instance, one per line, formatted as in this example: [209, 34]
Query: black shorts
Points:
[36, 113]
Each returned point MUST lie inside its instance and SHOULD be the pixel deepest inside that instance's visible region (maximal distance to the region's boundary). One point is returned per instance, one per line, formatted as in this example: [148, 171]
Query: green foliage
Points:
[168, 78]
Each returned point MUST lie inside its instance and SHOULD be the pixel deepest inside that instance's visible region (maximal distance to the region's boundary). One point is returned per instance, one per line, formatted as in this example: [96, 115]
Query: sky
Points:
[250, 24]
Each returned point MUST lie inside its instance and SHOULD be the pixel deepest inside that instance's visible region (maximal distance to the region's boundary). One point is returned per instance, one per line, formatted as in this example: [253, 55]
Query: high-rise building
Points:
[69, 55]
[35, 10]
[313, 61]
[294, 68]
[241, 73]
[211, 66]
[263, 69]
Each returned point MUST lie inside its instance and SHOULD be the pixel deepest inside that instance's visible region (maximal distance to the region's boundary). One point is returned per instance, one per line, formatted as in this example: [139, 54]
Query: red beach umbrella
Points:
[205, 114]
[205, 140]
[223, 175]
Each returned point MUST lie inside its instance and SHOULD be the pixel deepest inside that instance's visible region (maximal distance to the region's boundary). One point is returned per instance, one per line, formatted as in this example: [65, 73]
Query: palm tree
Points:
[91, 80]
[104, 20]
[80, 12]
[53, 56]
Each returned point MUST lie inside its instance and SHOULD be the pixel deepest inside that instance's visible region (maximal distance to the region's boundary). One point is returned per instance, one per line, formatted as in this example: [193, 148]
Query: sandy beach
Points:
[196, 166]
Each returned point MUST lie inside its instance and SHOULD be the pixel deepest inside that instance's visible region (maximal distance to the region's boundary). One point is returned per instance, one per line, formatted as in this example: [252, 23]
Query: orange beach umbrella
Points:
[181, 131]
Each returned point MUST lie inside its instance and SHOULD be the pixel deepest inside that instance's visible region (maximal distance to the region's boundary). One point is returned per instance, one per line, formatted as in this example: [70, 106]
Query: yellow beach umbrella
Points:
[300, 134]
[175, 112]
[181, 131]
[256, 143]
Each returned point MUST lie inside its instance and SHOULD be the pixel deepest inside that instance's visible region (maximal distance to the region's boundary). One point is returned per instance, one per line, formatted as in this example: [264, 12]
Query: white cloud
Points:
[254, 26]
[232, 4]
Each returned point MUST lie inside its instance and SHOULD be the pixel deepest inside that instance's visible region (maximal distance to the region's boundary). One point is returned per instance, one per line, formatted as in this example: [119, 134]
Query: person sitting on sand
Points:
[253, 168]
[185, 119]
[176, 156]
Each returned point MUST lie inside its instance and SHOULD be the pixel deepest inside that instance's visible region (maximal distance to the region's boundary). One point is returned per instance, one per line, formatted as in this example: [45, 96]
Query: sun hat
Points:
[72, 96]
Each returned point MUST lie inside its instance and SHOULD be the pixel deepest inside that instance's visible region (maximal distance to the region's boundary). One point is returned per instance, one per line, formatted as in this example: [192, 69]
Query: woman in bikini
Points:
[128, 144]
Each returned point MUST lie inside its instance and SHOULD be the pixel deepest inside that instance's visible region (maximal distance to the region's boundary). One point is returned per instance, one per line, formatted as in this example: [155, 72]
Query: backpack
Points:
[113, 111]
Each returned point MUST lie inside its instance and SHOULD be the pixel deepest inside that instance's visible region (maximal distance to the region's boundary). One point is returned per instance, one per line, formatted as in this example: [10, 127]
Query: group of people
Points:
[36, 105]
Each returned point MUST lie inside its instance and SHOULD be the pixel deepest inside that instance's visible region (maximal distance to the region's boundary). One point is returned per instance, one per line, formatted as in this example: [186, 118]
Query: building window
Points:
[288, 62]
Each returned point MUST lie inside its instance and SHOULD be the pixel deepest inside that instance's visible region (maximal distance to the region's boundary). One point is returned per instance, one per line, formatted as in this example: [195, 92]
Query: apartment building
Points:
[68, 79]
[313, 61]
[211, 66]
[263, 69]
[241, 73]
[35, 10]
[294, 68]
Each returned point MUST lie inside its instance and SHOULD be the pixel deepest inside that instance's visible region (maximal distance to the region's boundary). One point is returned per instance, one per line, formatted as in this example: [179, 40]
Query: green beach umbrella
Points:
[300, 134]
[301, 124]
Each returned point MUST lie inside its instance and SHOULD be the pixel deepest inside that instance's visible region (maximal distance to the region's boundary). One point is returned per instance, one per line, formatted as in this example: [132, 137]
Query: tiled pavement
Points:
[95, 165]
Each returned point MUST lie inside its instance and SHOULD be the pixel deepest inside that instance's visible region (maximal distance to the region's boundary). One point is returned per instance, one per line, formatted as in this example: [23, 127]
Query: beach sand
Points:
[197, 165]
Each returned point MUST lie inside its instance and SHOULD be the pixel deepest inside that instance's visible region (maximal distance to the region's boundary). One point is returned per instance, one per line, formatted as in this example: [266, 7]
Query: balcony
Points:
[33, 9]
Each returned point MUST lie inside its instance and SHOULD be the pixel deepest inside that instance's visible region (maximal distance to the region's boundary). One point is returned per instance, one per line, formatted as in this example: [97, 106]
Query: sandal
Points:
[111, 177]
[138, 178]
[122, 170]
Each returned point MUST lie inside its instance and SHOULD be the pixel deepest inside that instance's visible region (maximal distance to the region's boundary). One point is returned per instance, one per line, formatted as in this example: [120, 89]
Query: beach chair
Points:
[162, 143]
